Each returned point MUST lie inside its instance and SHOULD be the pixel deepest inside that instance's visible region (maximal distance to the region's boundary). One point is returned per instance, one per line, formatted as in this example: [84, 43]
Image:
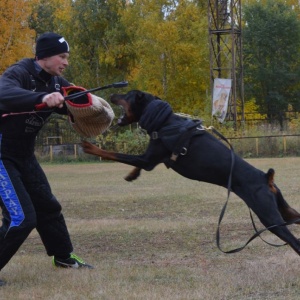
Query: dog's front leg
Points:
[146, 161]
[133, 174]
[94, 150]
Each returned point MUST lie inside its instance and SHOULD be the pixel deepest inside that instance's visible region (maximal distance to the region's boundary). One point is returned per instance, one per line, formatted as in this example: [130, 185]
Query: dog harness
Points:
[174, 131]
[178, 137]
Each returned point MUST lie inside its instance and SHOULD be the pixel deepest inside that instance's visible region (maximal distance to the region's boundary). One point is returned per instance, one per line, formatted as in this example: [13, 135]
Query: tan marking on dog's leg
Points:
[271, 174]
[289, 214]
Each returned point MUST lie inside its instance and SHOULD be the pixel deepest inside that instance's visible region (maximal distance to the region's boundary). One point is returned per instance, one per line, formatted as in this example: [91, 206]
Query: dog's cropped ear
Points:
[139, 96]
[144, 97]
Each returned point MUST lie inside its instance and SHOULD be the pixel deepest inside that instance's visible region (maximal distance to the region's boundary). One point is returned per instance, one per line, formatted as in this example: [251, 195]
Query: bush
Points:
[130, 141]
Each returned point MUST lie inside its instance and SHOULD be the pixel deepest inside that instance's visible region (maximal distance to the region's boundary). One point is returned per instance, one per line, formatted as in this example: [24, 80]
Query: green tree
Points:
[43, 16]
[271, 56]
[170, 40]
[159, 46]
[92, 28]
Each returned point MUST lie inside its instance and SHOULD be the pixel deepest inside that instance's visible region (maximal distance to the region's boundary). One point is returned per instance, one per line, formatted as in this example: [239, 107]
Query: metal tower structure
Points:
[224, 21]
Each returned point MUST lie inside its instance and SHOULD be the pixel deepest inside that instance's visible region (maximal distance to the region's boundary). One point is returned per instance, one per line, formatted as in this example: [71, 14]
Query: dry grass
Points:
[155, 239]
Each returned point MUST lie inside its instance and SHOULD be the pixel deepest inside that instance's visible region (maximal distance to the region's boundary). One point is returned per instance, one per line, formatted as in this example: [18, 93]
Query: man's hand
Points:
[55, 99]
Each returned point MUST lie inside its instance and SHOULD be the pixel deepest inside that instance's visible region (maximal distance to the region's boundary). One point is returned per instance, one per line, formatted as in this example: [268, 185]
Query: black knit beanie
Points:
[50, 44]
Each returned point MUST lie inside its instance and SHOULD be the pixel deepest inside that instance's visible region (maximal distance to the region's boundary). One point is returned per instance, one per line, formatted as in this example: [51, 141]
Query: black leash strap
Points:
[228, 192]
[254, 226]
[258, 233]
[79, 94]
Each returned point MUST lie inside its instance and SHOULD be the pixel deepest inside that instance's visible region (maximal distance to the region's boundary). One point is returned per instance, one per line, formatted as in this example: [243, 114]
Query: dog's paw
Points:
[133, 175]
[129, 178]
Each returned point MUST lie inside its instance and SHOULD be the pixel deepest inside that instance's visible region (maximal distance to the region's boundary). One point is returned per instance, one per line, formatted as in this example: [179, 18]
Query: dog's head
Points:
[133, 105]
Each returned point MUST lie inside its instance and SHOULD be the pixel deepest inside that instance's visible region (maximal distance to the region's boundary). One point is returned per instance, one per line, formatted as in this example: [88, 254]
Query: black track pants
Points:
[27, 203]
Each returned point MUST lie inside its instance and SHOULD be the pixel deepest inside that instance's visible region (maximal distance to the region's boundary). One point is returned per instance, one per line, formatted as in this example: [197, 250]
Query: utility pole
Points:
[224, 21]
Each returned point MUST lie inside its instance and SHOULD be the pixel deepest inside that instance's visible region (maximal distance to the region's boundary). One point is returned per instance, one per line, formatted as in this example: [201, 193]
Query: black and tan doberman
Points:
[183, 145]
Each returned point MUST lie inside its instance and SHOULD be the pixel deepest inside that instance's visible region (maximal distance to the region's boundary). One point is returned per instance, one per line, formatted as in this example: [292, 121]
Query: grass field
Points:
[155, 239]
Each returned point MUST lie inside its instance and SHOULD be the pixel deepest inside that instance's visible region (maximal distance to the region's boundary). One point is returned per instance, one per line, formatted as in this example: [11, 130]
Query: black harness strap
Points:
[57, 85]
[33, 84]
[184, 141]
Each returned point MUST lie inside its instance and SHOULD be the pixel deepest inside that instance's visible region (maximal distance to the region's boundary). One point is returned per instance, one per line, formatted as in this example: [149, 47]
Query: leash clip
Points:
[183, 151]
[57, 87]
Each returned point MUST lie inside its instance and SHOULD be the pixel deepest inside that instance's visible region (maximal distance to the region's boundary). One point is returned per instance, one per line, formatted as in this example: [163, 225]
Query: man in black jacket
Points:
[26, 199]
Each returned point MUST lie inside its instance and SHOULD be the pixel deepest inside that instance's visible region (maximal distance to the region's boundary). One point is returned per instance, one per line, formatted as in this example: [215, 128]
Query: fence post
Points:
[51, 153]
[75, 151]
[284, 144]
[99, 146]
[256, 146]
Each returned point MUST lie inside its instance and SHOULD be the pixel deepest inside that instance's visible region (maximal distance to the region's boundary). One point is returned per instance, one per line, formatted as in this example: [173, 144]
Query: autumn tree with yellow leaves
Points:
[16, 38]
[158, 46]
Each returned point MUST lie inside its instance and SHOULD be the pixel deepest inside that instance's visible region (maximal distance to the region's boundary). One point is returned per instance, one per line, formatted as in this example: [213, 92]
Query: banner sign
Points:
[221, 93]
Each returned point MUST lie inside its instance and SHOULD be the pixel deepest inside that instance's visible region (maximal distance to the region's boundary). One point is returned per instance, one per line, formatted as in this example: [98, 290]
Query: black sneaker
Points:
[72, 262]
[2, 282]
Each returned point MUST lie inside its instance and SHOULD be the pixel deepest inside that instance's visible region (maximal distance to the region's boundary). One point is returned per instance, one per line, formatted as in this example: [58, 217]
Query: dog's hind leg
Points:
[284, 234]
[266, 208]
[288, 213]
[263, 203]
